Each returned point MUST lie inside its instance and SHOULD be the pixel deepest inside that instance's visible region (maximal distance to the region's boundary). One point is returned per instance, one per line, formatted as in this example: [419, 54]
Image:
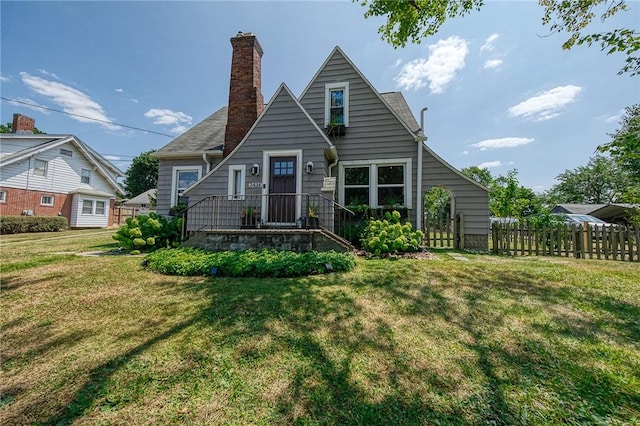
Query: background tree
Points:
[142, 175]
[625, 146]
[8, 128]
[601, 181]
[481, 175]
[414, 20]
[510, 199]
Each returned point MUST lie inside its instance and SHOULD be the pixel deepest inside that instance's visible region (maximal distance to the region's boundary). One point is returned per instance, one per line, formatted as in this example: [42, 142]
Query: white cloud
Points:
[492, 63]
[112, 157]
[490, 164]
[614, 118]
[4, 79]
[465, 152]
[398, 63]
[488, 45]
[446, 57]
[119, 90]
[135, 101]
[29, 103]
[72, 101]
[547, 104]
[509, 142]
[48, 74]
[168, 117]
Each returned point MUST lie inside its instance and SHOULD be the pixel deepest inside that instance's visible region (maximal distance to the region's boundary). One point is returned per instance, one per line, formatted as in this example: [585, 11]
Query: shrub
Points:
[389, 235]
[148, 233]
[20, 224]
[264, 263]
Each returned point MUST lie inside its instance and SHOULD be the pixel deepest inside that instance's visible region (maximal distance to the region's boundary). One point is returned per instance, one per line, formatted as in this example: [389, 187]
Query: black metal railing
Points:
[302, 211]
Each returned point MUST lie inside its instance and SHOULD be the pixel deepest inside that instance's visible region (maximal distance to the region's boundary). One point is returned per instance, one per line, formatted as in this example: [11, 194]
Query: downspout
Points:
[204, 158]
[334, 162]
[419, 201]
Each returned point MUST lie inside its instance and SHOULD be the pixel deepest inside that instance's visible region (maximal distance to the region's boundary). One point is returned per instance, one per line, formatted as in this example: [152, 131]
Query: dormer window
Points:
[336, 104]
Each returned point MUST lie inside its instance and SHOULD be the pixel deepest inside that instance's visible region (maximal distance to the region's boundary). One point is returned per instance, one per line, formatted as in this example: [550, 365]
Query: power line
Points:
[85, 117]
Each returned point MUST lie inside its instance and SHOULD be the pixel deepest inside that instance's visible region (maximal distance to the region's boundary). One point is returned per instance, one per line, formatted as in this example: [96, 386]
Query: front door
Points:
[282, 190]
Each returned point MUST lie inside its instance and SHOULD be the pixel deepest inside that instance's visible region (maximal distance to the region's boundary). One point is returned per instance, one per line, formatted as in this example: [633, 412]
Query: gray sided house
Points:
[304, 162]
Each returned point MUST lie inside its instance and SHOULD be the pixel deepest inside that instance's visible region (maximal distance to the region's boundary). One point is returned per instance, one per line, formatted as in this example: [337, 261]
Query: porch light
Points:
[309, 167]
[255, 169]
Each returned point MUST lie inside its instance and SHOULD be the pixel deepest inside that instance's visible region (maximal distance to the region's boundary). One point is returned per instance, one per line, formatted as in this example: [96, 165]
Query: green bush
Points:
[148, 233]
[264, 263]
[21, 224]
[388, 235]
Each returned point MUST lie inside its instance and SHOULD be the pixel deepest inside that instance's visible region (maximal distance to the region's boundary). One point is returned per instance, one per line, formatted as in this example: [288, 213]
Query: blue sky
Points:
[500, 90]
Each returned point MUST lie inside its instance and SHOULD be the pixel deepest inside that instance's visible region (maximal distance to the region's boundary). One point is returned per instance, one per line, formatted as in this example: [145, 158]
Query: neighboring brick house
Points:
[55, 175]
[341, 140]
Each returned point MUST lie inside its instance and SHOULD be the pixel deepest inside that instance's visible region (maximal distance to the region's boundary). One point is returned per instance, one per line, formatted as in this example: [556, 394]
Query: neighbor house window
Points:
[336, 104]
[183, 178]
[100, 208]
[377, 183]
[3, 196]
[236, 181]
[85, 176]
[87, 206]
[40, 167]
[66, 152]
[46, 200]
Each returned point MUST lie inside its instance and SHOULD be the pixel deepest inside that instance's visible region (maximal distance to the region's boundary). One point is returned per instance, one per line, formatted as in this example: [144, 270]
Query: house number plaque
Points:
[254, 185]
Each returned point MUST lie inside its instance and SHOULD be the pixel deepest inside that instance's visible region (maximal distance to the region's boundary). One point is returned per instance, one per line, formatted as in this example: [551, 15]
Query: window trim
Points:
[82, 177]
[174, 181]
[327, 101]
[67, 152]
[45, 168]
[373, 178]
[3, 196]
[42, 203]
[242, 169]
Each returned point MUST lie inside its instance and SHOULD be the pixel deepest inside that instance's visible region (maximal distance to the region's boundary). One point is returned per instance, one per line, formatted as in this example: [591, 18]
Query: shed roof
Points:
[576, 208]
[143, 198]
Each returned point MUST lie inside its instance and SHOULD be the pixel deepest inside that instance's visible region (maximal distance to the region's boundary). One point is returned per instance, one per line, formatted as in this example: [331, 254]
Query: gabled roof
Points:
[398, 103]
[283, 88]
[52, 141]
[398, 100]
[205, 137]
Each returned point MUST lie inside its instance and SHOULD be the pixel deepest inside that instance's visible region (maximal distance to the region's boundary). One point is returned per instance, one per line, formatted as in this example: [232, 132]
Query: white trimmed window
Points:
[377, 183]
[87, 206]
[100, 208]
[40, 167]
[183, 178]
[236, 181]
[3, 196]
[46, 200]
[336, 104]
[66, 152]
[85, 176]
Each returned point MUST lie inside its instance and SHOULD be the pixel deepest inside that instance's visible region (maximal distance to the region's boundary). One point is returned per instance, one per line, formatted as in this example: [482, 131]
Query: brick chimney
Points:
[245, 94]
[22, 124]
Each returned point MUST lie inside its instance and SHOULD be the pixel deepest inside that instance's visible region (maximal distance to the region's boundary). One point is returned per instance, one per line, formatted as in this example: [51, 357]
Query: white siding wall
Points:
[81, 220]
[63, 173]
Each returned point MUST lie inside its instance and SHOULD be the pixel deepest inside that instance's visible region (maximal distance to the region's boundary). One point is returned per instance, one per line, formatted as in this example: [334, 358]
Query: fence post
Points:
[460, 230]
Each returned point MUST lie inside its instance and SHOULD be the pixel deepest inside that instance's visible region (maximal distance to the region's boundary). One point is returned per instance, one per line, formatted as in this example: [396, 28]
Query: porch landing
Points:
[298, 240]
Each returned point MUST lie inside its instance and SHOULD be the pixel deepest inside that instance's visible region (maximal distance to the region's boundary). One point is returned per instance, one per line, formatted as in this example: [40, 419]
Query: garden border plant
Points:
[187, 261]
[389, 235]
[146, 233]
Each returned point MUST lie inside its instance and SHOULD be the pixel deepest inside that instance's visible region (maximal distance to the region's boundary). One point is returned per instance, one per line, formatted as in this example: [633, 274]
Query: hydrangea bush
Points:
[389, 235]
[146, 233]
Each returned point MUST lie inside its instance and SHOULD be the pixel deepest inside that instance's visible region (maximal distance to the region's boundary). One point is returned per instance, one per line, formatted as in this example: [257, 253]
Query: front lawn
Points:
[100, 340]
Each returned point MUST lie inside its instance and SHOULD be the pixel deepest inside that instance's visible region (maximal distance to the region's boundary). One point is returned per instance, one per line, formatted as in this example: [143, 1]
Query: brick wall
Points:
[18, 200]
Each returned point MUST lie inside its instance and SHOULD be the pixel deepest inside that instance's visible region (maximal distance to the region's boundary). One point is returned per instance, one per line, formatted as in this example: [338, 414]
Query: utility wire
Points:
[85, 117]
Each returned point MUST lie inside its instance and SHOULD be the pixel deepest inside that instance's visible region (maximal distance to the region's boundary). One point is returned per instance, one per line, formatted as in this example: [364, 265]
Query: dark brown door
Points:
[282, 206]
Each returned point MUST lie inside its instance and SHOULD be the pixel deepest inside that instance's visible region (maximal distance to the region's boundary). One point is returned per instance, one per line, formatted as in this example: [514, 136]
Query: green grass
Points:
[99, 340]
